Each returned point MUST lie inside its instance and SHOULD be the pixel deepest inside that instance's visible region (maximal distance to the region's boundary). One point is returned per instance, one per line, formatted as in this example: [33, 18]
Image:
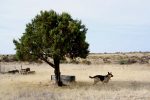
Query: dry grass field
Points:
[130, 82]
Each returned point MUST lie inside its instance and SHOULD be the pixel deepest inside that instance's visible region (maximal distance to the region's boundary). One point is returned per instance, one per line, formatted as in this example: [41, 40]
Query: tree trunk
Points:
[57, 72]
[0, 67]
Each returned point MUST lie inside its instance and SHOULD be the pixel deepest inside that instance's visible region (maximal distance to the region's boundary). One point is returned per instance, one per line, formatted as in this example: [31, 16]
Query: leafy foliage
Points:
[52, 35]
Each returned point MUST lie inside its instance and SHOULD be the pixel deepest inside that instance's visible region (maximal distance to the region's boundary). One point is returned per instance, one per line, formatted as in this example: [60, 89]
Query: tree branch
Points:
[44, 59]
[51, 64]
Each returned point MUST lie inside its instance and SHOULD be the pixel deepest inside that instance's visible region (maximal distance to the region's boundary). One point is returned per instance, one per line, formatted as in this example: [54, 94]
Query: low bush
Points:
[127, 61]
[86, 62]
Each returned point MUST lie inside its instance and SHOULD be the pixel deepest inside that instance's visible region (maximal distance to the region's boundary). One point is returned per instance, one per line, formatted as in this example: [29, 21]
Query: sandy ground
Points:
[130, 82]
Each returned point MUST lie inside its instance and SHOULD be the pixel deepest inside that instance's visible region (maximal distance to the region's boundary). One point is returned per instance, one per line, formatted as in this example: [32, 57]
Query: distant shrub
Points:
[74, 61]
[132, 61]
[13, 58]
[86, 62]
[106, 60]
[144, 60]
[5, 58]
[122, 62]
[8, 58]
[127, 61]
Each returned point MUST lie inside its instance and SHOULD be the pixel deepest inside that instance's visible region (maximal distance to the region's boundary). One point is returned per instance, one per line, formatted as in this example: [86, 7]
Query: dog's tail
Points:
[91, 77]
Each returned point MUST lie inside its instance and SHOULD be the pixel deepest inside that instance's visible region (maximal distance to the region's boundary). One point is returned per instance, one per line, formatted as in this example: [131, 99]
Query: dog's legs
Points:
[95, 80]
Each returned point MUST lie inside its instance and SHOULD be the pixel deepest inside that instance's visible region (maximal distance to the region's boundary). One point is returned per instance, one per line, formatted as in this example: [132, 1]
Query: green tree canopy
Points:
[52, 35]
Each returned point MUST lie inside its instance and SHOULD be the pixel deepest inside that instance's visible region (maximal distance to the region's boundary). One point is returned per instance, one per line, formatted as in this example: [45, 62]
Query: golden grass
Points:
[130, 82]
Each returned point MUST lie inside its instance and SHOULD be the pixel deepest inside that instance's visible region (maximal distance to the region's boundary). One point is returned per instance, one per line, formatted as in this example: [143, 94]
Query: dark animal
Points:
[102, 78]
[25, 71]
[13, 71]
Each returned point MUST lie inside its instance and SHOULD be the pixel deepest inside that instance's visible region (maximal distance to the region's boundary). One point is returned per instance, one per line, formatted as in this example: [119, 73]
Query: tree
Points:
[52, 35]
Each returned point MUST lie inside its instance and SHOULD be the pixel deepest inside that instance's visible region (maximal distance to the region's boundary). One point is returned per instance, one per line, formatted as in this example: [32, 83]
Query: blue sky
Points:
[113, 25]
